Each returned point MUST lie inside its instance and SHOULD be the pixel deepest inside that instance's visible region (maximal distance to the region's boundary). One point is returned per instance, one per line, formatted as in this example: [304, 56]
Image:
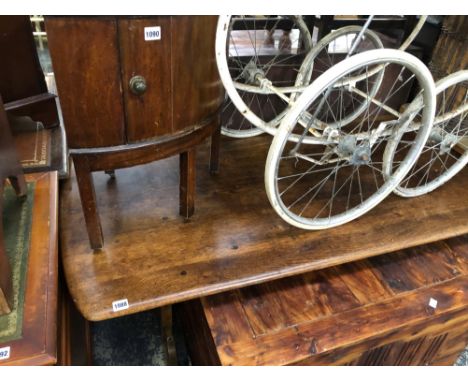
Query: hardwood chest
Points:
[405, 308]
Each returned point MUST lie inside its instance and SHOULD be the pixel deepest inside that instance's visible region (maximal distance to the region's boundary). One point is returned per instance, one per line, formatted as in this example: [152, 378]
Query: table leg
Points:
[167, 335]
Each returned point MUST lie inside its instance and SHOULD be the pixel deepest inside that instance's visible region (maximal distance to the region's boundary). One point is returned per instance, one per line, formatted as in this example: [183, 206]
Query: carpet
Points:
[135, 340]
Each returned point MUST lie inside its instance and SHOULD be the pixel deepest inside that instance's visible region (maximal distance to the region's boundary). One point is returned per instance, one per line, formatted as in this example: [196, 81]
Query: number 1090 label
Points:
[152, 33]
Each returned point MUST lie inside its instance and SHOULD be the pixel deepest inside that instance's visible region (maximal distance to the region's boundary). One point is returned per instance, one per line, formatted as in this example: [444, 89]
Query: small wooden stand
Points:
[137, 100]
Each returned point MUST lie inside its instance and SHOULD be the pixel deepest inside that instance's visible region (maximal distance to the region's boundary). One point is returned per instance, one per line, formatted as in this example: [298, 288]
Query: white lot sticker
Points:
[433, 303]
[5, 353]
[120, 305]
[152, 33]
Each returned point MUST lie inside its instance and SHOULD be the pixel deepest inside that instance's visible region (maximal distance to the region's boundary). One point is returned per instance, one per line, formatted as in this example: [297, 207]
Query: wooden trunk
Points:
[404, 308]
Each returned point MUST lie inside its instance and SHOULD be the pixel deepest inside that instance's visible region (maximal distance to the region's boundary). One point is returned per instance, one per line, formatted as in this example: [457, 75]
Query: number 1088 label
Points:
[152, 33]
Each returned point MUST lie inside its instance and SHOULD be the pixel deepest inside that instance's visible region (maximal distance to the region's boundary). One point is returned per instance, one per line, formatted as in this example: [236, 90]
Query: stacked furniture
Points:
[31, 107]
[261, 291]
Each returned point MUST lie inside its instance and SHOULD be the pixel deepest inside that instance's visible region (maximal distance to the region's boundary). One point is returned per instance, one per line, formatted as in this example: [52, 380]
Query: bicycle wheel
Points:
[445, 152]
[337, 176]
[250, 51]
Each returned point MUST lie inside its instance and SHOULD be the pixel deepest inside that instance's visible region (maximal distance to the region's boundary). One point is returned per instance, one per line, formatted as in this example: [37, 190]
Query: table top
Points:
[152, 257]
[38, 343]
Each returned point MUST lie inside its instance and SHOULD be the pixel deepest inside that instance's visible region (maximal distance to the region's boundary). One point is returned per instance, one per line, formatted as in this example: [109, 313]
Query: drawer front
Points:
[148, 111]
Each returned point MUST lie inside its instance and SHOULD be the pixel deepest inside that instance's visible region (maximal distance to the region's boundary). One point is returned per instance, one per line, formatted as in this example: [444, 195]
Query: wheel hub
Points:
[251, 73]
[445, 139]
[362, 155]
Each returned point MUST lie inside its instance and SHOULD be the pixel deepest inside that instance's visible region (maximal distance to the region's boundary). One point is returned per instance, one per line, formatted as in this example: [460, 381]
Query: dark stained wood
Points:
[187, 183]
[41, 150]
[140, 153]
[9, 169]
[27, 99]
[41, 107]
[20, 71]
[214, 151]
[85, 57]
[167, 335]
[197, 89]
[84, 178]
[197, 334]
[148, 115]
[38, 344]
[73, 332]
[154, 258]
[110, 127]
[387, 328]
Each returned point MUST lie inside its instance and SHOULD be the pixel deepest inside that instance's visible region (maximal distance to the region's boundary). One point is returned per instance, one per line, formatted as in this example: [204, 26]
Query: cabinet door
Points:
[197, 88]
[147, 53]
[85, 59]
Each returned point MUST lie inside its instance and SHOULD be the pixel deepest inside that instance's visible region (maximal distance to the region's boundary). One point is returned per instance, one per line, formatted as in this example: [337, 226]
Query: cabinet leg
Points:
[214, 152]
[88, 202]
[187, 183]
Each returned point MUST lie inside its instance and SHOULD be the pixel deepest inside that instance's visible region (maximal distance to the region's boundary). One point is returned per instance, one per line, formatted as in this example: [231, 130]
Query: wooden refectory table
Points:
[153, 257]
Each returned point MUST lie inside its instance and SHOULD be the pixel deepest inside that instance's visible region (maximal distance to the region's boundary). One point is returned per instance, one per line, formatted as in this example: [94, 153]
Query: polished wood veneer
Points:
[38, 343]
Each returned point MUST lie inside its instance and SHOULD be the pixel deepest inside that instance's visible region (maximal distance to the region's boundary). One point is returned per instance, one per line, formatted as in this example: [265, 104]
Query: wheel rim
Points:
[445, 153]
[317, 206]
[331, 50]
[247, 58]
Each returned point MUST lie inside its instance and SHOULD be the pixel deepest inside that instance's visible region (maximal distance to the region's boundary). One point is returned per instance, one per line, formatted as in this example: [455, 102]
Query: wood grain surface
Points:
[153, 257]
[38, 344]
[371, 312]
[21, 74]
[148, 115]
[85, 56]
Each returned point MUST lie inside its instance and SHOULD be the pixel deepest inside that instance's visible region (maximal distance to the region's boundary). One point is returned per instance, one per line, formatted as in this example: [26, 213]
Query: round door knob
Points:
[137, 85]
